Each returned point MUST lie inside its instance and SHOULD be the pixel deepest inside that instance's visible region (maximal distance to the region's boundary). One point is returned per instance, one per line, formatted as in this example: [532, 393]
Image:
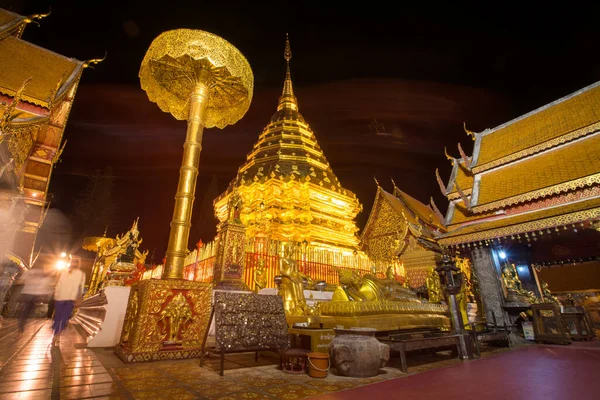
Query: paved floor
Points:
[30, 368]
[33, 369]
[529, 373]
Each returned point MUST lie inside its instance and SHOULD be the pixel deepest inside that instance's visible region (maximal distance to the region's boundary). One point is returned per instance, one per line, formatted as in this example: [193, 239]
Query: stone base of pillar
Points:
[165, 320]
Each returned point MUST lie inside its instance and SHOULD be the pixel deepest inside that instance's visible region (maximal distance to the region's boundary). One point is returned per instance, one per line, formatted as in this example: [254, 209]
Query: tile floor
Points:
[33, 369]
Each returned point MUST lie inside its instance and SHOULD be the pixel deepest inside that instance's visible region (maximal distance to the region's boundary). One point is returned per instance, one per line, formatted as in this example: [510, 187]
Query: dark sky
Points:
[422, 69]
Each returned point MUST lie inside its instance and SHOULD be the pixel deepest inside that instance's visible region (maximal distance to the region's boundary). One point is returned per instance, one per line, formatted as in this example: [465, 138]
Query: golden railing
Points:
[319, 262]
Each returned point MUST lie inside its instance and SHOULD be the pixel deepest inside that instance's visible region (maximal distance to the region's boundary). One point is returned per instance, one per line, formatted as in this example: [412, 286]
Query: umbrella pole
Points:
[188, 174]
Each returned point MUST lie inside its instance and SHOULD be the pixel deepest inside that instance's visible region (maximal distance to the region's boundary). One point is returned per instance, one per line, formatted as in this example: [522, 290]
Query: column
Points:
[489, 284]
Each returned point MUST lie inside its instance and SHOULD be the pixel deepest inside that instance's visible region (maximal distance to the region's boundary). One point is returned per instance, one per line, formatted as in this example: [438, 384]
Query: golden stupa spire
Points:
[287, 99]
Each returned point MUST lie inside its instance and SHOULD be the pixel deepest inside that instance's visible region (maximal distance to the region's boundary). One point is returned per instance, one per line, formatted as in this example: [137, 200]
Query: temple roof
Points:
[571, 166]
[563, 120]
[11, 23]
[419, 212]
[458, 214]
[410, 209]
[524, 223]
[48, 71]
[460, 176]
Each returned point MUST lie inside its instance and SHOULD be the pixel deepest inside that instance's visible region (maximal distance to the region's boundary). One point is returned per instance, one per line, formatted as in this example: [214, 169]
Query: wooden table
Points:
[404, 345]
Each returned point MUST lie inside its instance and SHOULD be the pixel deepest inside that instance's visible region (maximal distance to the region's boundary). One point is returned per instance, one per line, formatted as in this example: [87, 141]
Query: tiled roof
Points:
[415, 207]
[9, 22]
[525, 133]
[22, 60]
[460, 176]
[566, 168]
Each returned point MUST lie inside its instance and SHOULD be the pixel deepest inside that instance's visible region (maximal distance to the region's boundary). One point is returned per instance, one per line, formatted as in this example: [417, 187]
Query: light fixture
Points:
[502, 254]
[61, 264]
[63, 254]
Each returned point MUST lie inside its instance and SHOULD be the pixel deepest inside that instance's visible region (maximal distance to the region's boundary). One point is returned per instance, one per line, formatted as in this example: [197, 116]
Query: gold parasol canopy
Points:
[171, 69]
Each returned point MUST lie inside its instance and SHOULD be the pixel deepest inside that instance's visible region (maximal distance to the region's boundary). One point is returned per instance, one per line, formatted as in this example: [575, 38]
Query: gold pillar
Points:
[200, 78]
[188, 174]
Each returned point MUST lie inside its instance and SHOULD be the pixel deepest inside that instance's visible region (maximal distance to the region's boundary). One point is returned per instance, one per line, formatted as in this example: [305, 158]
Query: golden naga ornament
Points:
[202, 78]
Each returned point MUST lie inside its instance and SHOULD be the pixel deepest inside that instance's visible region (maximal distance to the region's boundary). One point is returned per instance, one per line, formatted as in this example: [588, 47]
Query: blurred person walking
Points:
[67, 294]
[37, 286]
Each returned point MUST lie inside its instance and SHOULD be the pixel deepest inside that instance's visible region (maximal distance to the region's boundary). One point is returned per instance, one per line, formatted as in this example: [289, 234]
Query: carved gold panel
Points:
[165, 317]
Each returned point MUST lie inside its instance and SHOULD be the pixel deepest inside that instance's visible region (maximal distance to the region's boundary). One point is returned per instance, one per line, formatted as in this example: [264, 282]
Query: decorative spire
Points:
[287, 99]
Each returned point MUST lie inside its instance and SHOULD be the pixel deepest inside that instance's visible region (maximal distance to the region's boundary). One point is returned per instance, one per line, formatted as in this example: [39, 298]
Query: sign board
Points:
[247, 322]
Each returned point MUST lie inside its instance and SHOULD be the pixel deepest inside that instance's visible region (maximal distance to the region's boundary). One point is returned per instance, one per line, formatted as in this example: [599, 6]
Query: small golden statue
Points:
[434, 287]
[514, 288]
[390, 273]
[548, 296]
[291, 288]
[260, 275]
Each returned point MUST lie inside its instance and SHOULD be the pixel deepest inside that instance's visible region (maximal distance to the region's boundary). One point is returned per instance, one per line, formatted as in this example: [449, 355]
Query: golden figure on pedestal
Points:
[548, 296]
[514, 288]
[260, 276]
[434, 287]
[291, 288]
[117, 259]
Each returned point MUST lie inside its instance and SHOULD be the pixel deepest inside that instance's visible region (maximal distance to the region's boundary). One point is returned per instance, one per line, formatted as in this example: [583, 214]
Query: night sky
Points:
[421, 70]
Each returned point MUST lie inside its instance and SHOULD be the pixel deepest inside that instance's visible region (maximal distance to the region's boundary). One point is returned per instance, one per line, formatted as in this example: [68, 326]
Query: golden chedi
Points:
[289, 192]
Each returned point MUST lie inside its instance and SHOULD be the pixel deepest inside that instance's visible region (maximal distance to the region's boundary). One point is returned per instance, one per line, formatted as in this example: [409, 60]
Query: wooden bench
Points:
[403, 345]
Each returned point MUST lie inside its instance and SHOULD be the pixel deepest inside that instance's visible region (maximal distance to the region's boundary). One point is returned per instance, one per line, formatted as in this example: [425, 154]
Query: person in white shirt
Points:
[69, 289]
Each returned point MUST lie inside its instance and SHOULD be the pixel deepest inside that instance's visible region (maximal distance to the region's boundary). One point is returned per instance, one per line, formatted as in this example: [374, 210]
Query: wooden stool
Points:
[293, 361]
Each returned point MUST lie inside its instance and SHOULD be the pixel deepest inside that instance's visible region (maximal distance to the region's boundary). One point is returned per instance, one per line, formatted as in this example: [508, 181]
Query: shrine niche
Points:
[401, 230]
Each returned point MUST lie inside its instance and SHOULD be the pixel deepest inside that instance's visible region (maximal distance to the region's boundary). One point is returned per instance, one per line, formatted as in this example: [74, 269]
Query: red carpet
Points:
[530, 373]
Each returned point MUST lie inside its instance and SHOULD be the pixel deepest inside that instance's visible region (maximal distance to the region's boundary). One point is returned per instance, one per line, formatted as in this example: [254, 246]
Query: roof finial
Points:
[376, 181]
[448, 156]
[287, 99]
[34, 18]
[287, 54]
[470, 133]
[90, 63]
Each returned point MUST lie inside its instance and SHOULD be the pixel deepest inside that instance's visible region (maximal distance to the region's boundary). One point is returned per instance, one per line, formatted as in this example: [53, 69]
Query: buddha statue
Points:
[434, 287]
[514, 289]
[548, 297]
[291, 288]
[371, 288]
[260, 275]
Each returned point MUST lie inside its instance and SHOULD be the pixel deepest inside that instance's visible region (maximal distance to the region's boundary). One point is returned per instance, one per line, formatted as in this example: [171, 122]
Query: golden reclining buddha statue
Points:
[370, 288]
[359, 301]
